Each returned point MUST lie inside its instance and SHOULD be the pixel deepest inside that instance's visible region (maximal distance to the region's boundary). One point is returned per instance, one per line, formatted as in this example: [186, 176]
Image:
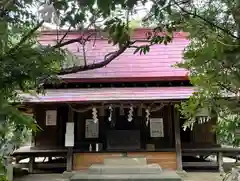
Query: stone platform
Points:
[165, 176]
[126, 168]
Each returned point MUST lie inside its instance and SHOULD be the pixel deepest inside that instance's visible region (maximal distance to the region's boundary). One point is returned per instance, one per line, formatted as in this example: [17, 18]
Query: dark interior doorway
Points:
[185, 134]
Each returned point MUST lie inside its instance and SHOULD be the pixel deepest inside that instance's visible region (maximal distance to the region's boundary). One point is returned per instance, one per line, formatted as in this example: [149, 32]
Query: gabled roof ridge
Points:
[177, 34]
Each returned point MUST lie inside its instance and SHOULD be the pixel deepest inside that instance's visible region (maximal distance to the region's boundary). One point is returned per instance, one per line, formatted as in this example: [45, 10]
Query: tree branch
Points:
[107, 59]
[64, 36]
[25, 37]
[80, 40]
[75, 40]
[207, 21]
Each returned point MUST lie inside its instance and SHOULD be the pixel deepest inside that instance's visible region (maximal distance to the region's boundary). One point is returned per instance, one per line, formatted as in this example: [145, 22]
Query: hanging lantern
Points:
[94, 115]
[203, 115]
[202, 112]
[147, 116]
[130, 114]
[110, 113]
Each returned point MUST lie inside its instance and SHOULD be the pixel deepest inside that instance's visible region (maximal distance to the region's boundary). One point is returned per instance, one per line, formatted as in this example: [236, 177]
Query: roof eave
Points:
[125, 79]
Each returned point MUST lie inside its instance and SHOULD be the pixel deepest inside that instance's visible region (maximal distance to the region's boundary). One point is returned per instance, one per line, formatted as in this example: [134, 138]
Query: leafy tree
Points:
[25, 65]
[226, 130]
[211, 57]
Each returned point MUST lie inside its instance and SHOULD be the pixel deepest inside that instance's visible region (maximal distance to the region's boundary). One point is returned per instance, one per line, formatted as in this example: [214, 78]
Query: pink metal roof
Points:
[111, 94]
[157, 64]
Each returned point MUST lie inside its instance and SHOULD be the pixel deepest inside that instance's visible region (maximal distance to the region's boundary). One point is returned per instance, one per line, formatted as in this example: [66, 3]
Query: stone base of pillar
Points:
[182, 173]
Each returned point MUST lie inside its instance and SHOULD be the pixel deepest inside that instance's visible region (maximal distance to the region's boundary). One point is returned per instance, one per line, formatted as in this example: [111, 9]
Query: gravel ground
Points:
[191, 176]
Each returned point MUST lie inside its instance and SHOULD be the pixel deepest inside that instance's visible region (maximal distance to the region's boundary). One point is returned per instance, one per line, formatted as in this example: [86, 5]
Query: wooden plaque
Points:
[51, 117]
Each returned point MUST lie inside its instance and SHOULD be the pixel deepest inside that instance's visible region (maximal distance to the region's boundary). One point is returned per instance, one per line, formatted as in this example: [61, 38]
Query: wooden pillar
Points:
[9, 168]
[220, 162]
[50, 159]
[31, 164]
[170, 125]
[70, 149]
[177, 139]
[69, 159]
[33, 134]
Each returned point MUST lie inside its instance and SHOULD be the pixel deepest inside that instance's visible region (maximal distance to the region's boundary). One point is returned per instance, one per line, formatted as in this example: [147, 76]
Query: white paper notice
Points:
[69, 140]
[91, 129]
[69, 127]
[51, 117]
[156, 127]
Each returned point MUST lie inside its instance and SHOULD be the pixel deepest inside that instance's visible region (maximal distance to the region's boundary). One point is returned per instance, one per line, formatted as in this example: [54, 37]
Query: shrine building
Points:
[126, 108]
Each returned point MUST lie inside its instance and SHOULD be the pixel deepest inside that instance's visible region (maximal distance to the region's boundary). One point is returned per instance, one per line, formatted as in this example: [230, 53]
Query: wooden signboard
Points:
[51, 117]
[91, 129]
[156, 127]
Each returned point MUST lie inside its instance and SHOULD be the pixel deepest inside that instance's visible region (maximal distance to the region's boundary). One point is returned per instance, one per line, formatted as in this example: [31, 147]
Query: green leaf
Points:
[137, 50]
[60, 5]
[79, 17]
[105, 6]
[131, 3]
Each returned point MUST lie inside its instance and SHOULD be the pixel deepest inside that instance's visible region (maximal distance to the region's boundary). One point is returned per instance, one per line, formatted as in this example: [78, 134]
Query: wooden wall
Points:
[167, 160]
[203, 134]
[168, 140]
[53, 136]
[139, 122]
[50, 136]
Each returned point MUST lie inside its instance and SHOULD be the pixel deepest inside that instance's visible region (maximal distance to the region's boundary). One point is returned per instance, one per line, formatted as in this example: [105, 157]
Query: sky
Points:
[141, 11]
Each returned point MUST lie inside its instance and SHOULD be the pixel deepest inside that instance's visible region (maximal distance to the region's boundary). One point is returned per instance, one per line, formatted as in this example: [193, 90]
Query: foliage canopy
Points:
[212, 56]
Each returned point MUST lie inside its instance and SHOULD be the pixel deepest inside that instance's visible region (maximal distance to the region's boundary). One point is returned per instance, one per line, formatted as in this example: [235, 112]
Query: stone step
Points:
[125, 161]
[124, 169]
[164, 176]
